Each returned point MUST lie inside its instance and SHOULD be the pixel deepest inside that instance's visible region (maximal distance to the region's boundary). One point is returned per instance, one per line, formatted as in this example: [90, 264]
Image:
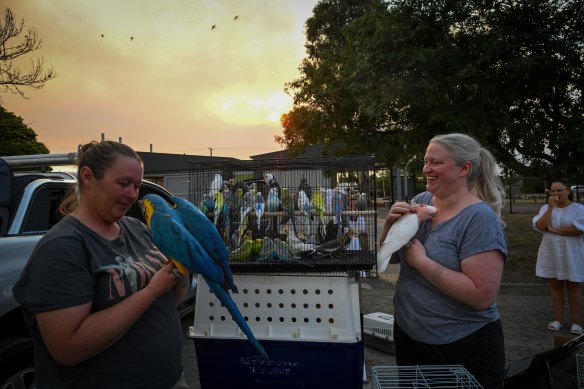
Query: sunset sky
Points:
[179, 85]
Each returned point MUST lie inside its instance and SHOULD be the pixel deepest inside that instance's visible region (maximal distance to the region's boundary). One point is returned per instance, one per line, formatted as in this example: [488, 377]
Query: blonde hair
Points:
[99, 157]
[482, 180]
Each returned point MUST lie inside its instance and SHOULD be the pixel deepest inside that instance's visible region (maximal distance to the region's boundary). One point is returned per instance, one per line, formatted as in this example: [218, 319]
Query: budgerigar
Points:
[287, 207]
[203, 205]
[400, 234]
[273, 205]
[304, 203]
[317, 204]
[361, 202]
[246, 207]
[227, 212]
[260, 206]
[328, 201]
[174, 239]
[276, 250]
[218, 208]
[304, 207]
[340, 205]
[273, 200]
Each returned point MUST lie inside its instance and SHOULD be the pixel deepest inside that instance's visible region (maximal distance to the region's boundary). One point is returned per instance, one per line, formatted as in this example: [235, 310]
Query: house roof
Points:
[312, 151]
[157, 164]
[164, 163]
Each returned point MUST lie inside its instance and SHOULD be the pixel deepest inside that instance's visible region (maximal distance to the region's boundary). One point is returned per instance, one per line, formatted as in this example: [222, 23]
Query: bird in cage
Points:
[273, 205]
[235, 184]
[305, 187]
[218, 207]
[297, 246]
[361, 204]
[247, 203]
[215, 185]
[227, 213]
[173, 231]
[243, 252]
[317, 204]
[340, 204]
[304, 207]
[207, 204]
[260, 206]
[288, 207]
[271, 182]
[333, 246]
[328, 200]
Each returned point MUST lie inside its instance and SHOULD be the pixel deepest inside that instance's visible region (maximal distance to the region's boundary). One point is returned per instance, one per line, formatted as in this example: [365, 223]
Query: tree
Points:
[12, 79]
[17, 137]
[387, 79]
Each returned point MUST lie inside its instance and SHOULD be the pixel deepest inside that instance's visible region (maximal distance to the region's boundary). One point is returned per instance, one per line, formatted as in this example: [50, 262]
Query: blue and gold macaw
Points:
[205, 232]
[181, 234]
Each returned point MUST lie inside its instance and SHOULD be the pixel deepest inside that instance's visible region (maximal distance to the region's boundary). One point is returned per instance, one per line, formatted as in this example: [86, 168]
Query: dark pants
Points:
[482, 353]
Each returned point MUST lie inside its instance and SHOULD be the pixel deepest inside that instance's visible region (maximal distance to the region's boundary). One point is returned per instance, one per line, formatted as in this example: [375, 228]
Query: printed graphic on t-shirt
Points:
[130, 274]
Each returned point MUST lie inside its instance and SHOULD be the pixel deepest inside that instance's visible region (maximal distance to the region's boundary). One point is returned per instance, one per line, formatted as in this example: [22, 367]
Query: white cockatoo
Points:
[400, 234]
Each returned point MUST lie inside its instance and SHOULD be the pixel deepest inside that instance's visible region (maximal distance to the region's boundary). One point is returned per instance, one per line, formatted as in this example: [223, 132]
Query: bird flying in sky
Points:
[236, 17]
[214, 26]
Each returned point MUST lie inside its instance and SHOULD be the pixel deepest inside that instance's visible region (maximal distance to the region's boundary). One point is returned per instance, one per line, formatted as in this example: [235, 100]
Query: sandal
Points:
[555, 325]
[576, 329]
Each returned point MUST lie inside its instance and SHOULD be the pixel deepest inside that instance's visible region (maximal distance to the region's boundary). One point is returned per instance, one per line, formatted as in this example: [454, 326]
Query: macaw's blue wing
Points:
[200, 227]
[225, 298]
[174, 241]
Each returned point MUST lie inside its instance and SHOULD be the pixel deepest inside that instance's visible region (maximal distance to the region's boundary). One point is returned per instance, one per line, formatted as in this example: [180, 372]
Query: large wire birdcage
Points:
[423, 376]
[287, 216]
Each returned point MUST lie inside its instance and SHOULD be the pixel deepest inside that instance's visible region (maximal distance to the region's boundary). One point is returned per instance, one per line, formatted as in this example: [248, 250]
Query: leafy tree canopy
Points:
[384, 77]
[17, 137]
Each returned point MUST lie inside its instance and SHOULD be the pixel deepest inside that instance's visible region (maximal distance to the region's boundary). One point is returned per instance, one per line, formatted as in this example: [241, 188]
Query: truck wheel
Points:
[16, 363]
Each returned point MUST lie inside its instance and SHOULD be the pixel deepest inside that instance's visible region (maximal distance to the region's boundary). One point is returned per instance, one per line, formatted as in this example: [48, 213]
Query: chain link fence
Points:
[522, 194]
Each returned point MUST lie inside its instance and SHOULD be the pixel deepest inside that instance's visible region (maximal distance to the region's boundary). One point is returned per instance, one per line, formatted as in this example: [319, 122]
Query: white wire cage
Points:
[422, 376]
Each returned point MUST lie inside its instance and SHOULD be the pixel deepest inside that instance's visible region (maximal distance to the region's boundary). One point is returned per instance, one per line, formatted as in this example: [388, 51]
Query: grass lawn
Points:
[523, 242]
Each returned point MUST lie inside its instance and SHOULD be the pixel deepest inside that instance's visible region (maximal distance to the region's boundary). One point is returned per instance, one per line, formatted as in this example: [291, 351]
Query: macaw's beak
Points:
[180, 267]
[148, 211]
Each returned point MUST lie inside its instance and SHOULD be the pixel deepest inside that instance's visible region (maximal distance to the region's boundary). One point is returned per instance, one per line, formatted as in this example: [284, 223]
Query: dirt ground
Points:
[525, 310]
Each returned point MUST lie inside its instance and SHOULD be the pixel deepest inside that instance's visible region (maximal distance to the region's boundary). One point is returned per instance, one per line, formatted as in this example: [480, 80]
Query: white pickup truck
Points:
[28, 209]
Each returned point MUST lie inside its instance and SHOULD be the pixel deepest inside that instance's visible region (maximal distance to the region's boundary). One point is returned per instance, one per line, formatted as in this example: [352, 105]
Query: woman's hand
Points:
[424, 212]
[163, 280]
[415, 253]
[396, 211]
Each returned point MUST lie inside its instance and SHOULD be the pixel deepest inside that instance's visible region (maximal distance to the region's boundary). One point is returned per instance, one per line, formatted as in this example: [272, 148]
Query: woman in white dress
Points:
[561, 253]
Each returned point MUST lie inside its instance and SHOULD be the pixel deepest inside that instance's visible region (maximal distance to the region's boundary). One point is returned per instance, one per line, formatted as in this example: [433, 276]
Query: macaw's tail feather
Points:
[229, 283]
[225, 298]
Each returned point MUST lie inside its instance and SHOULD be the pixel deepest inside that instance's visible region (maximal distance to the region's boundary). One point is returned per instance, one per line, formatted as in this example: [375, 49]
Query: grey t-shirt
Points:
[72, 265]
[423, 311]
